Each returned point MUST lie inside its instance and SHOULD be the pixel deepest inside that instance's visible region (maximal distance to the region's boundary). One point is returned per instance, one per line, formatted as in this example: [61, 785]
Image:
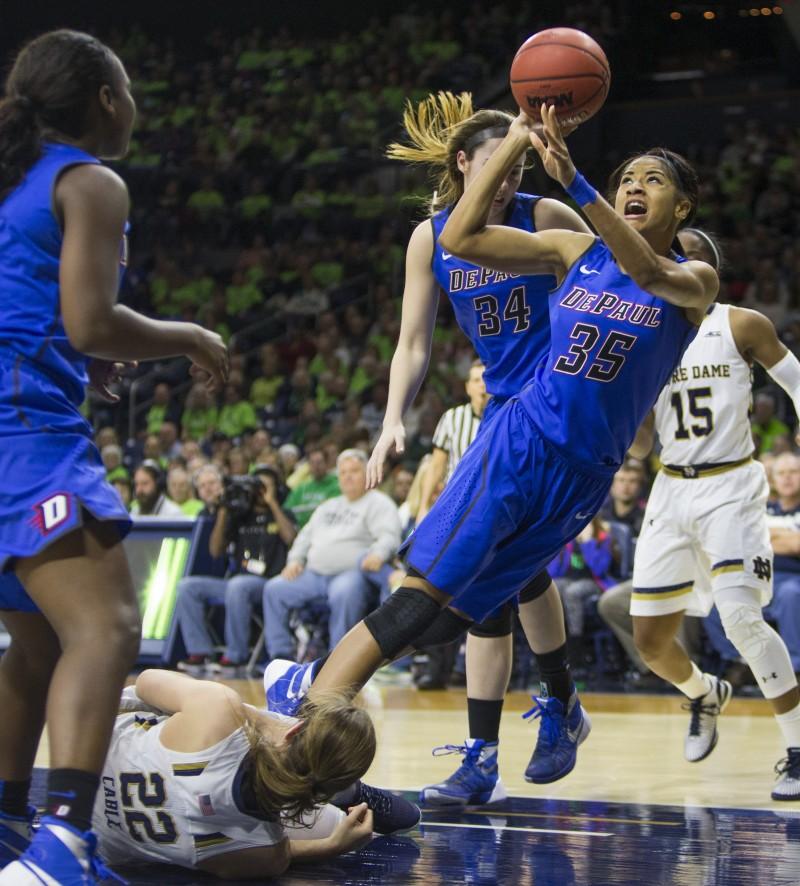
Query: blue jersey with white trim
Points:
[31, 325]
[503, 315]
[613, 347]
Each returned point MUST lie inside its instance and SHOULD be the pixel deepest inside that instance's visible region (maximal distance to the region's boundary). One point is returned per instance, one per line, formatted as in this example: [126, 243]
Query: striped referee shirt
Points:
[456, 430]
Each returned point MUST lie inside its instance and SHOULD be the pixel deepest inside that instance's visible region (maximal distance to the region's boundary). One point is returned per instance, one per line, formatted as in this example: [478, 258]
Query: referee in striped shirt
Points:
[456, 430]
[454, 433]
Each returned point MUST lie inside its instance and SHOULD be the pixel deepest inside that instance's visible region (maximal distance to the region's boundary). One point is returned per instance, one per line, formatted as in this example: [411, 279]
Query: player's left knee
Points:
[759, 645]
[499, 625]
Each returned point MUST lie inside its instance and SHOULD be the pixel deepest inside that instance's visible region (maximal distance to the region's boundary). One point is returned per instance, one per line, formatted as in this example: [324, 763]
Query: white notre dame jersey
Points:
[702, 412]
[155, 804]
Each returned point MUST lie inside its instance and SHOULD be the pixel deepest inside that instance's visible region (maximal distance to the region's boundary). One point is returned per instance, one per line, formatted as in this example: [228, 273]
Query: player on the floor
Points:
[505, 319]
[197, 778]
[711, 497]
[62, 247]
[520, 493]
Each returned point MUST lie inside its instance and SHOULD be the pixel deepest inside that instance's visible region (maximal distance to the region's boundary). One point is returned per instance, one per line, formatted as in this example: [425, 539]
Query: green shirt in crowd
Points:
[304, 500]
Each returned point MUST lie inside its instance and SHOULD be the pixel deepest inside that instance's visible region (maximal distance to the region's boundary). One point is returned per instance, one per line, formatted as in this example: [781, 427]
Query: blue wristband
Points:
[580, 190]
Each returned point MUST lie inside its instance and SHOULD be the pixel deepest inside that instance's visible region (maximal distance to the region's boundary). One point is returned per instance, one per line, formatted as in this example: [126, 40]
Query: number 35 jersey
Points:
[613, 346]
[156, 804]
[702, 412]
[504, 316]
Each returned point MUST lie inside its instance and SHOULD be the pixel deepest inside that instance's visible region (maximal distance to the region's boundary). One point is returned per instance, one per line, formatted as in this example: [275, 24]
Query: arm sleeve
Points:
[786, 373]
[384, 522]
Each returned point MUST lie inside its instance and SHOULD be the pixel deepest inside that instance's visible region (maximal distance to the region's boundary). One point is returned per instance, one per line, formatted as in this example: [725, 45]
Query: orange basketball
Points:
[561, 67]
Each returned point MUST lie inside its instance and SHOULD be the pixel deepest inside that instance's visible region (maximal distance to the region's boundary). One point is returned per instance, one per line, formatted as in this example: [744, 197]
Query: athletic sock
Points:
[14, 797]
[484, 718]
[556, 681]
[698, 684]
[70, 796]
[790, 727]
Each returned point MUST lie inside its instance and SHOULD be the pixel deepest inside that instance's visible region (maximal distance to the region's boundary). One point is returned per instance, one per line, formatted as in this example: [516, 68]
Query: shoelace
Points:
[789, 763]
[698, 709]
[378, 801]
[550, 727]
[471, 756]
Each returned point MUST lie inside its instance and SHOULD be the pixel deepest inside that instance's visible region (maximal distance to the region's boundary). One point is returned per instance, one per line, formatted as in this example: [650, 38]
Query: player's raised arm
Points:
[467, 235]
[692, 285]
[413, 351]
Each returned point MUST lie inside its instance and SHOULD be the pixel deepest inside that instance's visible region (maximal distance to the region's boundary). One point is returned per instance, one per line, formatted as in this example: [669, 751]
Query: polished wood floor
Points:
[633, 755]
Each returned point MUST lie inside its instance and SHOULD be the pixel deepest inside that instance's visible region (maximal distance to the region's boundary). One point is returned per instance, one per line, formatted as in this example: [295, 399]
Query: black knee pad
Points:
[401, 620]
[448, 627]
[499, 625]
[535, 587]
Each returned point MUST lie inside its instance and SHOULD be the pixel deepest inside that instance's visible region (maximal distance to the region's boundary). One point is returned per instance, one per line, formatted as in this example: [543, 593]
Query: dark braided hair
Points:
[51, 86]
[681, 173]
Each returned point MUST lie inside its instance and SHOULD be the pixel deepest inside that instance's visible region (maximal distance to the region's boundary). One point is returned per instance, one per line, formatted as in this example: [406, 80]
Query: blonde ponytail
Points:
[438, 128]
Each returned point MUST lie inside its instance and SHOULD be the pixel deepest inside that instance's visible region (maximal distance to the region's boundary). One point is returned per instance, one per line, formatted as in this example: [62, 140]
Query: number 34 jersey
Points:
[504, 316]
[156, 804]
[702, 413]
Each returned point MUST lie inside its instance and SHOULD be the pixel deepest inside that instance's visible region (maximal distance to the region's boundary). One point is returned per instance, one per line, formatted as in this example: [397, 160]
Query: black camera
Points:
[241, 494]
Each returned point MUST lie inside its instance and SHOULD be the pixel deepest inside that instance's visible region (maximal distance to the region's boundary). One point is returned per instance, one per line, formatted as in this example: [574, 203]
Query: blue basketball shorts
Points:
[50, 470]
[512, 503]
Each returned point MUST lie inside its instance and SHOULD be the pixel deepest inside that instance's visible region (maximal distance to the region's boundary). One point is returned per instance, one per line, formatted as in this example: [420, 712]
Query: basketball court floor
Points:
[632, 812]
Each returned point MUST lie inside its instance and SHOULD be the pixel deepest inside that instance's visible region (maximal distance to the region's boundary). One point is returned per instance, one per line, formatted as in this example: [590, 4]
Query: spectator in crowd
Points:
[123, 487]
[254, 527]
[209, 486]
[238, 461]
[322, 485]
[168, 443]
[179, 489]
[289, 456]
[784, 532]
[270, 379]
[342, 556]
[236, 414]
[199, 417]
[765, 424]
[149, 494]
[162, 409]
[112, 461]
[624, 504]
[585, 567]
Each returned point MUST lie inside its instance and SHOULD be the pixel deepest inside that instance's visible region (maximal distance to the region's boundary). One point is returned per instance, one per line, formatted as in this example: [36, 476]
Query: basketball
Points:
[561, 67]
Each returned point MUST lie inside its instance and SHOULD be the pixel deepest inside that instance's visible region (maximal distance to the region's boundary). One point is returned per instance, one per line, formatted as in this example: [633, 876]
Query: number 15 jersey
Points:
[702, 412]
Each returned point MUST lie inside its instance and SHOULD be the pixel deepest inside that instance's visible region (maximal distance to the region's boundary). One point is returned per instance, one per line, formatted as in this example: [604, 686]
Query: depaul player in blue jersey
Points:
[75, 635]
[621, 316]
[505, 318]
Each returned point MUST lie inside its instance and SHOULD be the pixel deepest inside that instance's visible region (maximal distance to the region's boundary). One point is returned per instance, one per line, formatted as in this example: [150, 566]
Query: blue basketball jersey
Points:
[31, 328]
[503, 315]
[613, 347]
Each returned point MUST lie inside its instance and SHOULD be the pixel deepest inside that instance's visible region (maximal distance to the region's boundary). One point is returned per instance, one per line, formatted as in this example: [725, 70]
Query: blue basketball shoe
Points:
[286, 684]
[476, 782]
[58, 855]
[560, 733]
[391, 812]
[15, 835]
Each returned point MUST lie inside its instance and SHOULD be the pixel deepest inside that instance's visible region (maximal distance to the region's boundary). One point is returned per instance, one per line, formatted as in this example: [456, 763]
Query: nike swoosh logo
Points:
[446, 255]
[585, 270]
[583, 516]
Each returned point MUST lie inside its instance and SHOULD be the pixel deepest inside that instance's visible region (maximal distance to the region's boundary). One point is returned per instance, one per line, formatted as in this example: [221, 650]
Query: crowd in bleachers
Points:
[260, 209]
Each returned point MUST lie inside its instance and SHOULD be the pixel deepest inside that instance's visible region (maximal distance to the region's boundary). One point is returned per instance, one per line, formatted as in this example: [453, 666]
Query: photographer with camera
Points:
[252, 527]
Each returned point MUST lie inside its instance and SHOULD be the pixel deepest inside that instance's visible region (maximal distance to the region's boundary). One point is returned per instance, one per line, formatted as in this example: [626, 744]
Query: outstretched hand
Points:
[549, 144]
[395, 435]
